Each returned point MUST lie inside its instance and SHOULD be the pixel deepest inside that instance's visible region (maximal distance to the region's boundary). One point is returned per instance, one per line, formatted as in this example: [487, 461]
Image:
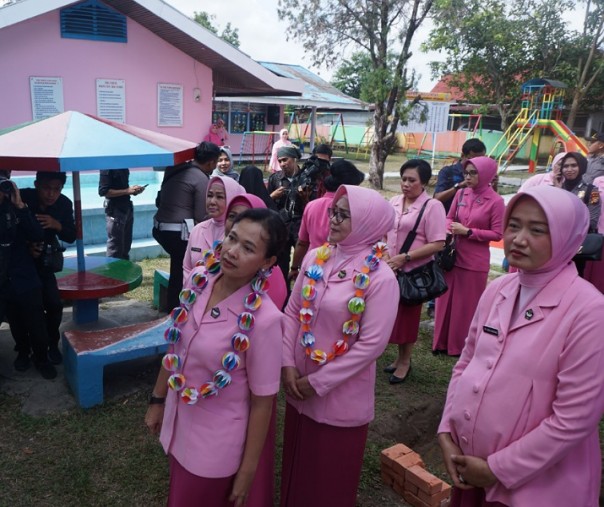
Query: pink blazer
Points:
[202, 238]
[345, 386]
[528, 395]
[431, 228]
[484, 216]
[208, 438]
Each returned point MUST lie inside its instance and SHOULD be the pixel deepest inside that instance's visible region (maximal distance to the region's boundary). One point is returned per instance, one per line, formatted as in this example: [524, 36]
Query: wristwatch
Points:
[156, 400]
[469, 233]
[456, 186]
[407, 258]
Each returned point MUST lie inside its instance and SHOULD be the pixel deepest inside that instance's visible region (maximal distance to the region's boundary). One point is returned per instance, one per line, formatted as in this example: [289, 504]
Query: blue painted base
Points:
[84, 371]
[85, 311]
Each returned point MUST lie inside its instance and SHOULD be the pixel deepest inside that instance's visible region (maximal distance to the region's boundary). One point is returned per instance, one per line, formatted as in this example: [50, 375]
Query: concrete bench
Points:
[160, 290]
[87, 352]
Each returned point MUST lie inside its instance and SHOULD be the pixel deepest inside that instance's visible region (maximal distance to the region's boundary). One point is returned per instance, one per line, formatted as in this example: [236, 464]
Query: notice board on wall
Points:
[169, 105]
[46, 96]
[111, 99]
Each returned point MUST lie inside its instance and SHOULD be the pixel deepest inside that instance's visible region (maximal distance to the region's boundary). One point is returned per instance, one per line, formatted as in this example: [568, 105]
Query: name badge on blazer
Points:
[490, 330]
[195, 249]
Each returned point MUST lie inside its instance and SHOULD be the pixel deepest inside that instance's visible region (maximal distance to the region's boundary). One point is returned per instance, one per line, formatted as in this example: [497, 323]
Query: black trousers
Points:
[119, 223]
[53, 312]
[25, 312]
[170, 241]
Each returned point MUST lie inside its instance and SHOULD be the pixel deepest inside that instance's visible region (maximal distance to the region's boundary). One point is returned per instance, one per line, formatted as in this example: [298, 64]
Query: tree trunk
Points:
[574, 109]
[379, 153]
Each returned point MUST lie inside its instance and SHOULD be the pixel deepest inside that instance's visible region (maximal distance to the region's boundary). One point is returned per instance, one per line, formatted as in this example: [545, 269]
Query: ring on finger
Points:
[461, 479]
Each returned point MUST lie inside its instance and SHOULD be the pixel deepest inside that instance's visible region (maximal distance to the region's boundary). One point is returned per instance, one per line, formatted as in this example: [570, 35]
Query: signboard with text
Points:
[169, 105]
[111, 99]
[46, 96]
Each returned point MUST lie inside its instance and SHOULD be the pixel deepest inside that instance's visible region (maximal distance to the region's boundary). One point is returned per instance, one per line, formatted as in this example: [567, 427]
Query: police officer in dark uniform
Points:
[115, 187]
[20, 286]
[54, 212]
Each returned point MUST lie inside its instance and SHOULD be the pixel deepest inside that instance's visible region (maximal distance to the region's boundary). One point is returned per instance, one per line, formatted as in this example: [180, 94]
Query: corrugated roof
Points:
[234, 72]
[317, 92]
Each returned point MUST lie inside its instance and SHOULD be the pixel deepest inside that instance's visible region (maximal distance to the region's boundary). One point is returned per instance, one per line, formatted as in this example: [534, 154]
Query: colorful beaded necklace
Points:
[356, 304]
[240, 341]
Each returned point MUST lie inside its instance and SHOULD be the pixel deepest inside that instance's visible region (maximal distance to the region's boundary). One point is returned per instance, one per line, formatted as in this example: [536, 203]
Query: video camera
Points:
[6, 187]
[312, 169]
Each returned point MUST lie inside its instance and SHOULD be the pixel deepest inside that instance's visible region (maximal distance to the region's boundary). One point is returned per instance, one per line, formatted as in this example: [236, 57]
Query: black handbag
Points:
[447, 256]
[423, 283]
[591, 249]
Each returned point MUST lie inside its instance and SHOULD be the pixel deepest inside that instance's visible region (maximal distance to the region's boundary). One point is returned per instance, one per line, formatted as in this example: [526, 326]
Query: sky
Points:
[262, 34]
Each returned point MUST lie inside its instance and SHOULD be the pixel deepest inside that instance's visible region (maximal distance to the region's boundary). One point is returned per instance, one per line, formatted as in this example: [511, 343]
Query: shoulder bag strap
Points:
[411, 236]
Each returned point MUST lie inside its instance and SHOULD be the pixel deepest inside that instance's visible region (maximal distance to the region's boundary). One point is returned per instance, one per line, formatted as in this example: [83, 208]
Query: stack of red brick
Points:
[404, 471]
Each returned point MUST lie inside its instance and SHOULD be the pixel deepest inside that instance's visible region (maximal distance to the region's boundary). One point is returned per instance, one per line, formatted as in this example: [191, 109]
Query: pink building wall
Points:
[35, 48]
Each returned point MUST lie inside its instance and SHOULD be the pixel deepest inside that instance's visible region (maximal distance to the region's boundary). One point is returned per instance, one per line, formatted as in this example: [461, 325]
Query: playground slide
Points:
[570, 140]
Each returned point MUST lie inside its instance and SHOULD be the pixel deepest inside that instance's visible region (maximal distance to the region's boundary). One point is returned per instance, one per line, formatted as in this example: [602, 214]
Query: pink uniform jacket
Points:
[208, 438]
[315, 221]
[484, 215]
[345, 386]
[528, 395]
[205, 233]
[431, 228]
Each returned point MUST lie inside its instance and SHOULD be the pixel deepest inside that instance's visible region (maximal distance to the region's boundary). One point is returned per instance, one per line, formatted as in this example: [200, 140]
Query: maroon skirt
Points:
[455, 309]
[190, 490]
[471, 498]
[406, 325]
[321, 463]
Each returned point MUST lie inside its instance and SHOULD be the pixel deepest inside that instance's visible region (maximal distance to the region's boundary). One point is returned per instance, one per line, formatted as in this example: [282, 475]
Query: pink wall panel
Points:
[35, 48]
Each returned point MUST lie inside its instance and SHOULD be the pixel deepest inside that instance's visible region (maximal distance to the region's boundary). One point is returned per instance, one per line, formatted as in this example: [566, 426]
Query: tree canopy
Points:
[495, 45]
[229, 33]
[328, 29]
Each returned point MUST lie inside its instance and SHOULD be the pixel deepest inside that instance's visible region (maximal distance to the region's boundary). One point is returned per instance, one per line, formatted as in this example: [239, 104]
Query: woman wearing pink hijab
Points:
[282, 141]
[221, 191]
[553, 177]
[475, 219]
[337, 323]
[277, 289]
[520, 425]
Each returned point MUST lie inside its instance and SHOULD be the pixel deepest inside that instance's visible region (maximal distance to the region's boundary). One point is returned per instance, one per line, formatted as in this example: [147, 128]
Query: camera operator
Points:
[291, 189]
[54, 212]
[21, 288]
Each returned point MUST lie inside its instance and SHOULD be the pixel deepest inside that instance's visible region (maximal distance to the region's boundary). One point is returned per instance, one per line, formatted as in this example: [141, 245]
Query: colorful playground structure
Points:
[541, 110]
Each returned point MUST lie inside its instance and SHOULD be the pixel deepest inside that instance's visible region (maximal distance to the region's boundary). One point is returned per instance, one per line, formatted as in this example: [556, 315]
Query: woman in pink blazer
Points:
[475, 219]
[220, 377]
[338, 321]
[520, 425]
[431, 233]
[221, 191]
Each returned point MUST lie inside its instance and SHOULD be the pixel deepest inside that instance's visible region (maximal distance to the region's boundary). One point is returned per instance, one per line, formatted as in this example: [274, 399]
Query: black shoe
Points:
[399, 380]
[22, 363]
[439, 352]
[54, 355]
[47, 370]
[390, 369]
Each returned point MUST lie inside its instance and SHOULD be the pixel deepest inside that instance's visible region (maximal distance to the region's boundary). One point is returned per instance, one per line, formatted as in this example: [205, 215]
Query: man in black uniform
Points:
[114, 186]
[182, 199]
[54, 212]
[289, 200]
[20, 286]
